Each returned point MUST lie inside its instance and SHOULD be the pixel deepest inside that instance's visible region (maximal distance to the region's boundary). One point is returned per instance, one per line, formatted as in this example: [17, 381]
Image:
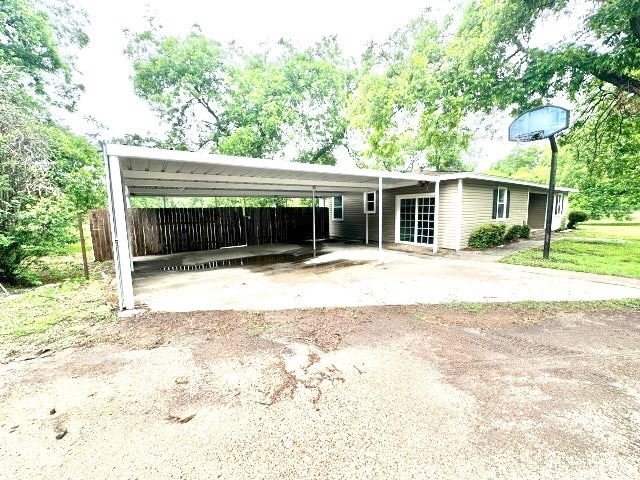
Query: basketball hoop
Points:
[530, 137]
[537, 124]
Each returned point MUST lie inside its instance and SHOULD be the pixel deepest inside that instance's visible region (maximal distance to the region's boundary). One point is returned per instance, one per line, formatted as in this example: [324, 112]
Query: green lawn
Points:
[605, 248]
[38, 309]
[65, 297]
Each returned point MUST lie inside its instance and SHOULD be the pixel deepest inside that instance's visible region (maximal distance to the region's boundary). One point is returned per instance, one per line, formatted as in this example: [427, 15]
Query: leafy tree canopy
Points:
[284, 102]
[31, 34]
[532, 164]
[402, 106]
[498, 62]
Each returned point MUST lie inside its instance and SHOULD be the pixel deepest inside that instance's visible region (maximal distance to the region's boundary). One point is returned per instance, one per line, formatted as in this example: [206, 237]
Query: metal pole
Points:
[313, 216]
[550, 195]
[366, 227]
[380, 215]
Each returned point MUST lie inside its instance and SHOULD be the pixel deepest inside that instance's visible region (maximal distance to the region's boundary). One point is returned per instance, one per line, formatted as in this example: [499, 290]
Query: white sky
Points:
[106, 71]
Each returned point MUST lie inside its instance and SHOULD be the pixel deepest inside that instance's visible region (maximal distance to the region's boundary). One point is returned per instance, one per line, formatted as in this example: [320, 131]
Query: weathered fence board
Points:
[155, 231]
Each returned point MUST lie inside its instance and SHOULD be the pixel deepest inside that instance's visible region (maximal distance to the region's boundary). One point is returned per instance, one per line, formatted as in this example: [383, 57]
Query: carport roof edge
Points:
[158, 172]
[126, 151]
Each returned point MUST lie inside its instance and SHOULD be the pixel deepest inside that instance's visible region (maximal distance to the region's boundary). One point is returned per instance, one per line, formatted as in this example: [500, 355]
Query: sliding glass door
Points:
[416, 219]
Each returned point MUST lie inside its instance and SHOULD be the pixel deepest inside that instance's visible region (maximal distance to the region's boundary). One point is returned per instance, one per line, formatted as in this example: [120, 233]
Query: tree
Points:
[401, 106]
[254, 104]
[498, 62]
[31, 43]
[532, 164]
[76, 169]
[46, 173]
[34, 214]
[604, 152]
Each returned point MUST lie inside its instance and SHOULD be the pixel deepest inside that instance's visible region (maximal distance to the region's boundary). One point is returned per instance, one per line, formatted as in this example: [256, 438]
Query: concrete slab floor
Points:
[352, 275]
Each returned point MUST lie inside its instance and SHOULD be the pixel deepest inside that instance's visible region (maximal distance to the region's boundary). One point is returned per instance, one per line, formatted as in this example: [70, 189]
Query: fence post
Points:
[83, 247]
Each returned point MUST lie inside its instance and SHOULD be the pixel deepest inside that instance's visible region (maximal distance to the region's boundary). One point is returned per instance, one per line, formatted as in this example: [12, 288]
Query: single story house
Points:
[443, 214]
[427, 209]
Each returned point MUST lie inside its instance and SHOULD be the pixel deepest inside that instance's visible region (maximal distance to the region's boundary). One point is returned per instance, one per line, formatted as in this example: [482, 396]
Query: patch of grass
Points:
[467, 307]
[547, 307]
[603, 249]
[36, 310]
[628, 231]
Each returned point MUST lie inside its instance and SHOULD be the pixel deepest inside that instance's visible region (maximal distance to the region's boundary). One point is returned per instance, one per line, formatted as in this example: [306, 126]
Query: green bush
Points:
[577, 216]
[41, 228]
[487, 236]
[517, 231]
[512, 234]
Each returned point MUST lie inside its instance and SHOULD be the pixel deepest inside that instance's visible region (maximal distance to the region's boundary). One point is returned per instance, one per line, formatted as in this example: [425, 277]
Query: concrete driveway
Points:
[353, 276]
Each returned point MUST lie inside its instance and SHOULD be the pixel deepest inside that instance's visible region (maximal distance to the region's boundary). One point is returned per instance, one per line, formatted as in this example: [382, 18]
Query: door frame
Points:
[399, 198]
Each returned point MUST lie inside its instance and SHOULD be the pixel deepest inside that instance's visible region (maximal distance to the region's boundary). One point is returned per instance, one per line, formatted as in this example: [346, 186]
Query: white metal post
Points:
[366, 228]
[380, 215]
[313, 216]
[121, 251]
[127, 206]
[436, 217]
[459, 217]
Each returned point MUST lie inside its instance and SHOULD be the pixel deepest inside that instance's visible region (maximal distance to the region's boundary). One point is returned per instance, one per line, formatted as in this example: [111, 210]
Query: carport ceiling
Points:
[171, 173]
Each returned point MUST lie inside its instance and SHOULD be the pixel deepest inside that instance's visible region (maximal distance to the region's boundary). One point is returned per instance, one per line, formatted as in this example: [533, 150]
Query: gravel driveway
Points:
[376, 392]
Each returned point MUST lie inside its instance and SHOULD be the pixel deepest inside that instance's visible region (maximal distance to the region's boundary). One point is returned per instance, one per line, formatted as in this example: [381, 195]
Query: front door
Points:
[415, 215]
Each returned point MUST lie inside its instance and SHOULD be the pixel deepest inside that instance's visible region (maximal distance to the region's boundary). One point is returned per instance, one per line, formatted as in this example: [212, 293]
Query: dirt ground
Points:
[371, 392]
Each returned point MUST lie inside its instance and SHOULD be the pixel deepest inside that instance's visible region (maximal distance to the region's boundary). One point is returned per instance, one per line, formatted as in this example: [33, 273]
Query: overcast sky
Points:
[106, 71]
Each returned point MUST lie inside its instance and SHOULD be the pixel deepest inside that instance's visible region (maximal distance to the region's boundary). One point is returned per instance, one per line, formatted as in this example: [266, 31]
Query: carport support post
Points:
[117, 214]
[550, 195]
[380, 216]
[313, 217]
[436, 218]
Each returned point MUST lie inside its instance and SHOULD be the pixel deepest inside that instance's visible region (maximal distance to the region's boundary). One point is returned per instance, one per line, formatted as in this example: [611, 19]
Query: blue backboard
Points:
[539, 123]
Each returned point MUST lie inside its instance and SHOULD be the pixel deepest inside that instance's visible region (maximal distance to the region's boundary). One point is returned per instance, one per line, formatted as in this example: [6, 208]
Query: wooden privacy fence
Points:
[155, 231]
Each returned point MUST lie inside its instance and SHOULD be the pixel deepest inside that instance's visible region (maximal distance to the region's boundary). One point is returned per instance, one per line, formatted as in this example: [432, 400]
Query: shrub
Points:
[40, 229]
[512, 233]
[577, 216]
[487, 236]
[525, 231]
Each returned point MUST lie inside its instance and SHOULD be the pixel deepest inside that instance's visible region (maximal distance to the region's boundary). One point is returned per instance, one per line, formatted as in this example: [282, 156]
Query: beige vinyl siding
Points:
[477, 206]
[448, 215]
[557, 221]
[353, 225]
[537, 209]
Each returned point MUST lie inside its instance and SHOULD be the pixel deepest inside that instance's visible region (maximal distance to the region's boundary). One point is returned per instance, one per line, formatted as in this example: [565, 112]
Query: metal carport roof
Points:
[155, 172]
[145, 171]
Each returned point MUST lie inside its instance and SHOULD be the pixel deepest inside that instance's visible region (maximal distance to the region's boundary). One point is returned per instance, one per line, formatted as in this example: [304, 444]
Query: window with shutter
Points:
[501, 197]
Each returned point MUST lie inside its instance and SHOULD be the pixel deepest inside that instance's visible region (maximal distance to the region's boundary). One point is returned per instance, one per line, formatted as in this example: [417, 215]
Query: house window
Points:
[501, 203]
[338, 211]
[370, 202]
[559, 204]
